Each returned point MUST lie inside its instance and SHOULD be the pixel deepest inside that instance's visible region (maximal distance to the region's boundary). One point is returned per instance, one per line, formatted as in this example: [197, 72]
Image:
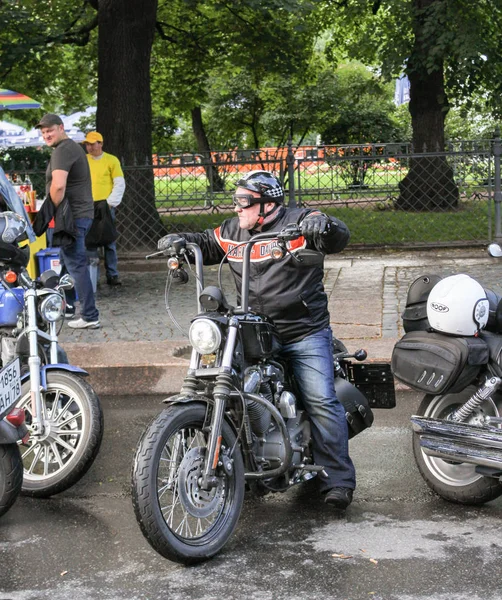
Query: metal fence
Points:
[388, 194]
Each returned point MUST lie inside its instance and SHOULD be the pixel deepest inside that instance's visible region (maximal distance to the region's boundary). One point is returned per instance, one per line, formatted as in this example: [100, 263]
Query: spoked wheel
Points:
[455, 481]
[11, 476]
[73, 429]
[182, 521]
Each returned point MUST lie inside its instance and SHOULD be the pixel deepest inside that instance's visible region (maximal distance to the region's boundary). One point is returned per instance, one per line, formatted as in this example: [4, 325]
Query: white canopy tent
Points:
[14, 135]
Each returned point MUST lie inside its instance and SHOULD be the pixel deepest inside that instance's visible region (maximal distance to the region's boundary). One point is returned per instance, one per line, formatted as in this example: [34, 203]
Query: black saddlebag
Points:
[357, 409]
[435, 363]
[415, 312]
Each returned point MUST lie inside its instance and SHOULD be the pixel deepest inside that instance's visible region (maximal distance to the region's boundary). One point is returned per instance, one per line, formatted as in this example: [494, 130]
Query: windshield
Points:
[15, 203]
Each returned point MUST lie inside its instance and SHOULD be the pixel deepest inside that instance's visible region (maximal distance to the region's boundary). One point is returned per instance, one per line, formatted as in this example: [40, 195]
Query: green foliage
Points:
[461, 36]
[29, 158]
[30, 161]
[48, 52]
[363, 109]
[470, 124]
[225, 56]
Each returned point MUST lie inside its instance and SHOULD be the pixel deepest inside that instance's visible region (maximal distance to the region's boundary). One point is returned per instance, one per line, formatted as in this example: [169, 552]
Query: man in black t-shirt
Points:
[68, 176]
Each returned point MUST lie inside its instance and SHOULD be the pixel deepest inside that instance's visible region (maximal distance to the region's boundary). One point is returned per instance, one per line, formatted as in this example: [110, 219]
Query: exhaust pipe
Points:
[490, 437]
[460, 442]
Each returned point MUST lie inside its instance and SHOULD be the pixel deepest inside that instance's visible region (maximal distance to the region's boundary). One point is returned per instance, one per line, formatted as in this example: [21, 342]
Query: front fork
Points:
[221, 394]
[34, 364]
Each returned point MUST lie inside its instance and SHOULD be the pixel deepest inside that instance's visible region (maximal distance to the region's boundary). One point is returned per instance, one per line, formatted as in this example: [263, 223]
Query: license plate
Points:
[10, 386]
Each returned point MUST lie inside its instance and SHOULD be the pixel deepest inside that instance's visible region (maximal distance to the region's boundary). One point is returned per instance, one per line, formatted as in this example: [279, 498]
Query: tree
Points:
[36, 37]
[448, 48]
[215, 51]
[124, 115]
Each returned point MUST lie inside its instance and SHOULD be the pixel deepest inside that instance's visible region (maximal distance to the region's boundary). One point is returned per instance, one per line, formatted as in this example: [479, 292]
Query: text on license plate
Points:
[10, 386]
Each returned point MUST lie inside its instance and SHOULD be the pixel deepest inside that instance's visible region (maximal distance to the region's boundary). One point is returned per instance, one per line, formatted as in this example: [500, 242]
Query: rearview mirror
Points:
[66, 282]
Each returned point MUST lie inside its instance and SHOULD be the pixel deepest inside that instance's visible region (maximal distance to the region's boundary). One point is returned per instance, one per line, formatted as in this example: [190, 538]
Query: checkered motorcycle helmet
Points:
[265, 184]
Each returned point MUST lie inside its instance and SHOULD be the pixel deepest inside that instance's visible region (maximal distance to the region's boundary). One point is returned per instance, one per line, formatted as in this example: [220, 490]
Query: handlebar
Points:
[179, 247]
[288, 233]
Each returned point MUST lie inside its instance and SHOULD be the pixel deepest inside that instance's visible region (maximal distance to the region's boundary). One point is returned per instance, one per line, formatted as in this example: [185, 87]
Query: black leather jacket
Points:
[293, 296]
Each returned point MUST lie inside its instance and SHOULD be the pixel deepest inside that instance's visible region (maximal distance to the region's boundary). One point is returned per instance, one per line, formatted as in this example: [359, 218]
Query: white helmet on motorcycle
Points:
[458, 305]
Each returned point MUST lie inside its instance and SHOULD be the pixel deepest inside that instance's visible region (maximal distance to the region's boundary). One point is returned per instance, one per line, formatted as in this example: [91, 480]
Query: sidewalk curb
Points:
[147, 368]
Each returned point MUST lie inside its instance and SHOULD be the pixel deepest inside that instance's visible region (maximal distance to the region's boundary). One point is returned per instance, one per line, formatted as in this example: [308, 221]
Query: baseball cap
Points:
[93, 136]
[49, 120]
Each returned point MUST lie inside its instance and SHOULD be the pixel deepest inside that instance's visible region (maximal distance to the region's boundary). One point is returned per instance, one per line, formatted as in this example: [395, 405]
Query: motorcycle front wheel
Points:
[11, 476]
[180, 520]
[73, 430]
[455, 481]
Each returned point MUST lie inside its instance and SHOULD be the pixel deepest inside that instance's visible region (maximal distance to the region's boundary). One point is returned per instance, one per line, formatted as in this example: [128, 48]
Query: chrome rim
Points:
[55, 450]
[449, 472]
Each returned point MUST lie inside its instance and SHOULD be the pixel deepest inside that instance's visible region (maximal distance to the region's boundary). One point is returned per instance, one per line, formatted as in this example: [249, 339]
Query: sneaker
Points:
[81, 324]
[114, 280]
[339, 497]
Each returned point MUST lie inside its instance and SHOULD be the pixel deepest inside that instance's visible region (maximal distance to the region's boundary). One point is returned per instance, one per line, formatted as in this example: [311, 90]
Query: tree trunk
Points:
[124, 114]
[429, 185]
[216, 183]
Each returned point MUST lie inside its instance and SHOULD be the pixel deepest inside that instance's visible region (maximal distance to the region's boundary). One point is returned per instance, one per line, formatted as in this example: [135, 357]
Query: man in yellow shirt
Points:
[108, 184]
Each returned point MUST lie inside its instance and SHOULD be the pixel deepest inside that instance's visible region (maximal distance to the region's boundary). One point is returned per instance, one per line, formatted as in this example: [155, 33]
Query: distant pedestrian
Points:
[108, 185]
[68, 176]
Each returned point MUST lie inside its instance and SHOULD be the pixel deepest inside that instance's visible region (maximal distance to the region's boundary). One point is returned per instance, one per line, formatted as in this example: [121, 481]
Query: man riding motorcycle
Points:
[293, 296]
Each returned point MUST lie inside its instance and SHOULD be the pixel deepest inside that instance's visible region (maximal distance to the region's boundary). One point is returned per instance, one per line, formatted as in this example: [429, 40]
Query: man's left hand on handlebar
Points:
[313, 226]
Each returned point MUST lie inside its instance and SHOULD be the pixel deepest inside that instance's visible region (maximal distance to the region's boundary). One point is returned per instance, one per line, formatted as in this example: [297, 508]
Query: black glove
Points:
[168, 240]
[312, 227]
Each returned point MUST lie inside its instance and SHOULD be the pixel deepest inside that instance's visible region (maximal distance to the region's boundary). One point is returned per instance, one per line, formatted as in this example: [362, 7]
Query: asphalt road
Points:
[401, 541]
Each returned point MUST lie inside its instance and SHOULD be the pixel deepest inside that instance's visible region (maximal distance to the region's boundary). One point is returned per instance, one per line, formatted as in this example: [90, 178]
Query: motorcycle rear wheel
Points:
[182, 522]
[11, 476]
[74, 430]
[454, 481]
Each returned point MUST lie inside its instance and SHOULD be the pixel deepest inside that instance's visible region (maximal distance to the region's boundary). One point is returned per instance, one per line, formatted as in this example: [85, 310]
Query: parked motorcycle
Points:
[12, 431]
[452, 351]
[237, 421]
[63, 413]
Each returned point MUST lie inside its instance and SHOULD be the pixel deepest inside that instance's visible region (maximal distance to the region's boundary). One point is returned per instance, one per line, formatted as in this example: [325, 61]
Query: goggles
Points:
[245, 200]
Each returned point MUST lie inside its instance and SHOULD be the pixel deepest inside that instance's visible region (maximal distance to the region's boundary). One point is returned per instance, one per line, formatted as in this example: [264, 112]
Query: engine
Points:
[268, 381]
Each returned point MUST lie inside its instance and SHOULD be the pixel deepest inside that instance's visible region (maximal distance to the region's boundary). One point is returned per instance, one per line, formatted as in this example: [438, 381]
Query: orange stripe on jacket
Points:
[261, 250]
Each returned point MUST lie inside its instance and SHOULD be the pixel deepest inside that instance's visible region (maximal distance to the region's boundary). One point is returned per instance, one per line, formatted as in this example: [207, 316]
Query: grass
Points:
[368, 210]
[370, 226]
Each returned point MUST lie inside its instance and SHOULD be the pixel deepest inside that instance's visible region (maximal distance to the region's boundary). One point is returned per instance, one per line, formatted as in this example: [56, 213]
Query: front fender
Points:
[9, 434]
[54, 367]
[185, 398]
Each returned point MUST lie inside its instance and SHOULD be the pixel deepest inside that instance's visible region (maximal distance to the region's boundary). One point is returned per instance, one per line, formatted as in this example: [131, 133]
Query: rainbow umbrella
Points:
[15, 101]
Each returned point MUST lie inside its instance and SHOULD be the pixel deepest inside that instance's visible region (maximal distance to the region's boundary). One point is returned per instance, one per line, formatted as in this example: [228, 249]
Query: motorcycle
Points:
[63, 412]
[236, 422]
[451, 350]
[12, 431]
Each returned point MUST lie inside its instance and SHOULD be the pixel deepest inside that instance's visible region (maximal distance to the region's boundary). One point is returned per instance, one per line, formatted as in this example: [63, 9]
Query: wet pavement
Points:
[397, 540]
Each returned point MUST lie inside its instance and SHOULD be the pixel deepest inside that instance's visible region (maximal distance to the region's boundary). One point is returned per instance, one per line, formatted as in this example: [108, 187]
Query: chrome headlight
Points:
[205, 336]
[51, 308]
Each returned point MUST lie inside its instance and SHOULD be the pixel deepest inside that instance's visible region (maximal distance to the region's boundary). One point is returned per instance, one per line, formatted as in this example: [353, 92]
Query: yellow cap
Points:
[93, 136]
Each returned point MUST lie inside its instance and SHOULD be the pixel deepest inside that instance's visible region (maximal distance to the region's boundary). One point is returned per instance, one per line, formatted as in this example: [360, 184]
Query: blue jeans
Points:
[311, 361]
[74, 261]
[110, 254]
